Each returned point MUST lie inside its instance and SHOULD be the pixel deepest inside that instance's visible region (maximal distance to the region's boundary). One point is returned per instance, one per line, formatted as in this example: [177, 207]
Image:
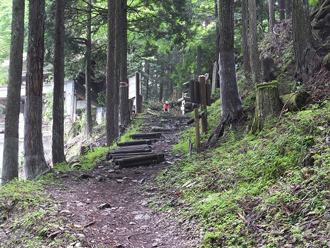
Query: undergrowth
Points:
[265, 190]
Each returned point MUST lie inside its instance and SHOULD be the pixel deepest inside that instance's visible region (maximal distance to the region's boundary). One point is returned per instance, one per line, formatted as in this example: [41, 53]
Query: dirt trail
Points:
[115, 207]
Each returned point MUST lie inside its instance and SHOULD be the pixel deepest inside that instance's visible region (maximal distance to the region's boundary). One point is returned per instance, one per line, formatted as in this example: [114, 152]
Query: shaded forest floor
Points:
[115, 206]
[103, 206]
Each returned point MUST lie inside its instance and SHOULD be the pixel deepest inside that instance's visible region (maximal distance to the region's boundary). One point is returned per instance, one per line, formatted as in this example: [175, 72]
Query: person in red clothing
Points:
[166, 107]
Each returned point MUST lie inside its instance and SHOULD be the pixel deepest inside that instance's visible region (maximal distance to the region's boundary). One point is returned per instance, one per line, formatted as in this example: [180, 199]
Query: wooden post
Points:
[192, 91]
[208, 92]
[198, 141]
[203, 103]
[196, 92]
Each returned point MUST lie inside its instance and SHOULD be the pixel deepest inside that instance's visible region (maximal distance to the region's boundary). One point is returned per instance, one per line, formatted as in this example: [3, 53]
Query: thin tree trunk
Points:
[161, 90]
[199, 60]
[216, 15]
[58, 98]
[124, 111]
[281, 5]
[88, 72]
[253, 42]
[110, 87]
[288, 8]
[118, 58]
[271, 18]
[147, 70]
[34, 158]
[11, 139]
[245, 43]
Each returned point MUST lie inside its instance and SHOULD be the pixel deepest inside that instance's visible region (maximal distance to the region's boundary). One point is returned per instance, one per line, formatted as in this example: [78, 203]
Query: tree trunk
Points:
[199, 60]
[34, 158]
[117, 62]
[295, 101]
[161, 90]
[88, 72]
[271, 18]
[216, 79]
[110, 84]
[303, 41]
[58, 97]
[11, 139]
[281, 5]
[231, 104]
[147, 70]
[268, 105]
[124, 111]
[288, 8]
[253, 42]
[245, 43]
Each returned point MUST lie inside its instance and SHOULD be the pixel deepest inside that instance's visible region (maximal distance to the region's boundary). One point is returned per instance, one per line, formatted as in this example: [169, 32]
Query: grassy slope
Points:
[265, 190]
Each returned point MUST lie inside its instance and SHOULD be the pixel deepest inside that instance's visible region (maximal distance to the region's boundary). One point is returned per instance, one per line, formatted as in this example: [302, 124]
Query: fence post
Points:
[197, 138]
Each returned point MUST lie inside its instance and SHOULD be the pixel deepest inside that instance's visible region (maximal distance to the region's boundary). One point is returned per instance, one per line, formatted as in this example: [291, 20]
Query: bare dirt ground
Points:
[113, 208]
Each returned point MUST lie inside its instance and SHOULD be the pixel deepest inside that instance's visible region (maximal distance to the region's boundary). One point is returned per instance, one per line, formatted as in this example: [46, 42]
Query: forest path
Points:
[113, 208]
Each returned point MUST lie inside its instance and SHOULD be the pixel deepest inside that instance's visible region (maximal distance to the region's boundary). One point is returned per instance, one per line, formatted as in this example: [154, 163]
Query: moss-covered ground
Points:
[271, 189]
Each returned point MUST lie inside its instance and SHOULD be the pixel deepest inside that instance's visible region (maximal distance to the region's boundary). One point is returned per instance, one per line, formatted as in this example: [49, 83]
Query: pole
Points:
[203, 101]
[198, 141]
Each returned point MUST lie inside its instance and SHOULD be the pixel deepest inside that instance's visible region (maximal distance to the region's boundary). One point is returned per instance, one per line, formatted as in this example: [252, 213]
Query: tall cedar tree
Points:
[303, 42]
[217, 40]
[147, 73]
[253, 42]
[245, 43]
[88, 71]
[281, 5]
[11, 140]
[231, 105]
[118, 59]
[124, 111]
[34, 158]
[271, 15]
[110, 84]
[58, 96]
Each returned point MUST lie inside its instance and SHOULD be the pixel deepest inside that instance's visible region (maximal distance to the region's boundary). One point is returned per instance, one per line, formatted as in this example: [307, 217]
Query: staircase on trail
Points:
[143, 149]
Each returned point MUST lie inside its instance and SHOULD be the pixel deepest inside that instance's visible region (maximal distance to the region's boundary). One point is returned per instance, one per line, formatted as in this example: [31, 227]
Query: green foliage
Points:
[62, 167]
[132, 129]
[101, 98]
[93, 157]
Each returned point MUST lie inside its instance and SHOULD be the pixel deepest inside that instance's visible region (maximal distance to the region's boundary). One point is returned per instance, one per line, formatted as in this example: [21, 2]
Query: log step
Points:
[146, 136]
[127, 155]
[143, 160]
[136, 142]
[130, 151]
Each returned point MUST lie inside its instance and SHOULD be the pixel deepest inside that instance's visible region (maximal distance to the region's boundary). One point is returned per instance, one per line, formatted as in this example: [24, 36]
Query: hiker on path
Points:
[166, 107]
